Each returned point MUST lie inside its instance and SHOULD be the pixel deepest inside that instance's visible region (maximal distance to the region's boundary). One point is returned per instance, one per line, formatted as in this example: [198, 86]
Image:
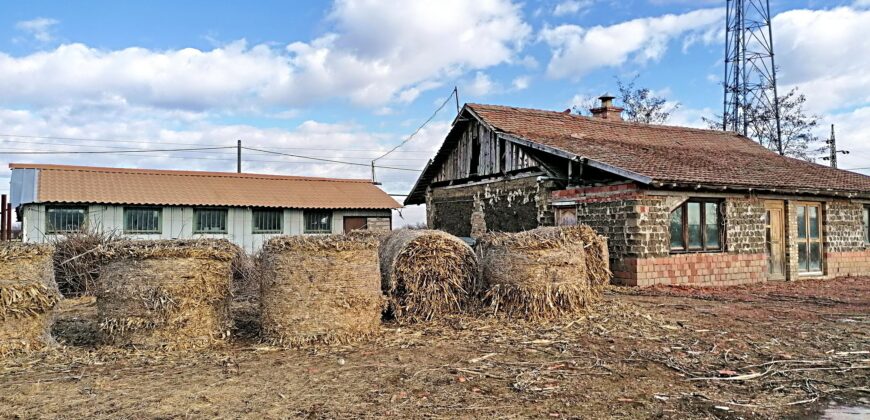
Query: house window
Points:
[210, 220]
[867, 225]
[318, 222]
[696, 226]
[142, 219]
[809, 237]
[65, 219]
[268, 221]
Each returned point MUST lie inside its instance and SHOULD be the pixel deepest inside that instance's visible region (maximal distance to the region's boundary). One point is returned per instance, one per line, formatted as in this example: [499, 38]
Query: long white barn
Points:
[247, 209]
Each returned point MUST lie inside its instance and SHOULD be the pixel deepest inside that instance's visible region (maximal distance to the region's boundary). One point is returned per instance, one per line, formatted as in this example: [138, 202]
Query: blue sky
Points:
[349, 79]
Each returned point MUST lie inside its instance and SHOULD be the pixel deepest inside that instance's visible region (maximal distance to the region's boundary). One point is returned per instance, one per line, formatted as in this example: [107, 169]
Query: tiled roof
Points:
[84, 184]
[670, 154]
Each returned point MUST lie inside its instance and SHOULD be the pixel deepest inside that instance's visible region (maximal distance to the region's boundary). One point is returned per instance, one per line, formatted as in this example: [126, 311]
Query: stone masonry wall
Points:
[379, 224]
[744, 225]
[846, 253]
[505, 206]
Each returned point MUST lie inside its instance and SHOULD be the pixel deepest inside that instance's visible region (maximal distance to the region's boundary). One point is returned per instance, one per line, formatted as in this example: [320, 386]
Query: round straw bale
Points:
[543, 273]
[28, 294]
[320, 289]
[426, 273]
[171, 294]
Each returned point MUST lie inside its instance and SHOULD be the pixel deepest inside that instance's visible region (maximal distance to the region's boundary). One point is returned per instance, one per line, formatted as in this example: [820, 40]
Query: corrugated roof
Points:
[670, 154]
[85, 184]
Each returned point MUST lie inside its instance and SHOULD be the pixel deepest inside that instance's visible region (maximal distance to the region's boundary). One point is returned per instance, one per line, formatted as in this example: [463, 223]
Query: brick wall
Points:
[713, 269]
[846, 254]
[379, 224]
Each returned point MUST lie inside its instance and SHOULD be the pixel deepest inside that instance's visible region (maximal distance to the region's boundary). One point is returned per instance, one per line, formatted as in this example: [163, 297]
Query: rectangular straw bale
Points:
[28, 295]
[543, 273]
[320, 289]
[169, 294]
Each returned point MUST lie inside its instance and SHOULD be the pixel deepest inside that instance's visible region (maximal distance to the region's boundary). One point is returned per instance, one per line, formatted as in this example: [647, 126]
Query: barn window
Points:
[318, 221]
[142, 219]
[867, 225]
[696, 226]
[475, 156]
[65, 219]
[209, 220]
[809, 237]
[268, 220]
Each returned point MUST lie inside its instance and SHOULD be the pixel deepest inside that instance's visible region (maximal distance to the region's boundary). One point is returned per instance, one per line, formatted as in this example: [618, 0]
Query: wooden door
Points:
[355, 223]
[775, 239]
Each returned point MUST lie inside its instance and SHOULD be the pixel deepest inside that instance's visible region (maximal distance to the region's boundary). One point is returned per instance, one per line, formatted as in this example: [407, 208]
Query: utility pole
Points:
[239, 156]
[832, 147]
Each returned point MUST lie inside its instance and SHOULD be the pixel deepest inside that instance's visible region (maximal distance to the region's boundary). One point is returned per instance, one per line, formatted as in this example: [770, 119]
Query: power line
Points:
[428, 120]
[331, 160]
[98, 152]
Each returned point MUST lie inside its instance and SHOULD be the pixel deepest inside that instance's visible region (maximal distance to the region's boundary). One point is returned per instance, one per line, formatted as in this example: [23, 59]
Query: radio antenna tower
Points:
[751, 105]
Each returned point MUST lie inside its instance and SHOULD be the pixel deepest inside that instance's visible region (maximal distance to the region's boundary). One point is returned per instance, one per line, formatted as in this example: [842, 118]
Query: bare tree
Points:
[641, 105]
[796, 126]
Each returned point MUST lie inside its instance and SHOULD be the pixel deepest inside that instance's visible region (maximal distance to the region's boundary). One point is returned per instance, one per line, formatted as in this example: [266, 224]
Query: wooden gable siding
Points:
[490, 161]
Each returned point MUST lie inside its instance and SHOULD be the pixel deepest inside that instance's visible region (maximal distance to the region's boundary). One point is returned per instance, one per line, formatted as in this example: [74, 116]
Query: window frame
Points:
[306, 213]
[809, 240]
[866, 218]
[684, 221]
[157, 231]
[197, 230]
[278, 212]
[49, 230]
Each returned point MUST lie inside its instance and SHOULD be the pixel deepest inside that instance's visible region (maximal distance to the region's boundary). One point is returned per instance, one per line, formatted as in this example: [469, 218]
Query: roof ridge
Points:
[614, 122]
[176, 172]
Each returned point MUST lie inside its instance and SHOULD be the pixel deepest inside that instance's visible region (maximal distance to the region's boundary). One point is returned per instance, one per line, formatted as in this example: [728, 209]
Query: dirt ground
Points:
[777, 350]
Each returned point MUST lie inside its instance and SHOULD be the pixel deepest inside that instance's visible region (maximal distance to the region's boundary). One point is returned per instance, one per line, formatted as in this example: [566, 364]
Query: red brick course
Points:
[854, 263]
[713, 269]
[598, 194]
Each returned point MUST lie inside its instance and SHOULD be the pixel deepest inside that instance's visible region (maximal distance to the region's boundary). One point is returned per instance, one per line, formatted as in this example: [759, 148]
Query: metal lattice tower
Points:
[750, 71]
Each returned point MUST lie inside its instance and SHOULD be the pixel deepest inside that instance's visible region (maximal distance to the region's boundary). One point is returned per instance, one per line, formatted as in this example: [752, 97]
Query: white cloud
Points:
[521, 82]
[39, 28]
[481, 85]
[570, 7]
[829, 63]
[416, 45]
[577, 50]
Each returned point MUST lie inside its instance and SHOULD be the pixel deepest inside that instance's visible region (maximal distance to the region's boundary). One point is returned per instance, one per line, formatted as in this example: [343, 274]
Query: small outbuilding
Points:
[245, 208]
[678, 205]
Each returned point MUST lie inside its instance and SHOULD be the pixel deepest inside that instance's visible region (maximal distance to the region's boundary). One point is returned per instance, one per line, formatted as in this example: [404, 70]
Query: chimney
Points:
[607, 111]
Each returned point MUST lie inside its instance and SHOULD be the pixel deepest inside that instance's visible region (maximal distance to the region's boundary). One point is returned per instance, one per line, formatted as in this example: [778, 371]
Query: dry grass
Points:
[77, 259]
[166, 294]
[320, 289]
[543, 273]
[426, 274]
[28, 294]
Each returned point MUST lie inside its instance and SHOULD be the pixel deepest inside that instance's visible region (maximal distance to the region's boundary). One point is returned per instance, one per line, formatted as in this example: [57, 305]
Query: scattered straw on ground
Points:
[426, 274]
[543, 273]
[320, 289]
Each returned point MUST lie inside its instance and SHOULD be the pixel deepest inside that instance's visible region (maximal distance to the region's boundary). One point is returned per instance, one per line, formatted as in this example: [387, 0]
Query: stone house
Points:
[245, 208]
[678, 205]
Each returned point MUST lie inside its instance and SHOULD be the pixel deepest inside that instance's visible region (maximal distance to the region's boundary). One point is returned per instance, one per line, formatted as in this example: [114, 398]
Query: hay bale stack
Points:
[28, 294]
[426, 273]
[320, 289]
[169, 294]
[543, 273]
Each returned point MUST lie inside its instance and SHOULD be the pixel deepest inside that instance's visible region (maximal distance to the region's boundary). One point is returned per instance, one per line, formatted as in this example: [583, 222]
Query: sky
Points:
[349, 80]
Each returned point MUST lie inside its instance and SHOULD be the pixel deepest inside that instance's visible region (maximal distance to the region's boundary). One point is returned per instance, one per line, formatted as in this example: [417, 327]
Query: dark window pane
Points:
[711, 220]
[813, 215]
[677, 229]
[694, 224]
[210, 220]
[65, 219]
[318, 222]
[268, 221]
[815, 260]
[142, 220]
[803, 258]
[866, 224]
[801, 220]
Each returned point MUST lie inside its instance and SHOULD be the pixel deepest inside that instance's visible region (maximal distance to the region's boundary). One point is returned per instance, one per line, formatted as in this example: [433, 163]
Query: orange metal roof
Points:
[85, 184]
